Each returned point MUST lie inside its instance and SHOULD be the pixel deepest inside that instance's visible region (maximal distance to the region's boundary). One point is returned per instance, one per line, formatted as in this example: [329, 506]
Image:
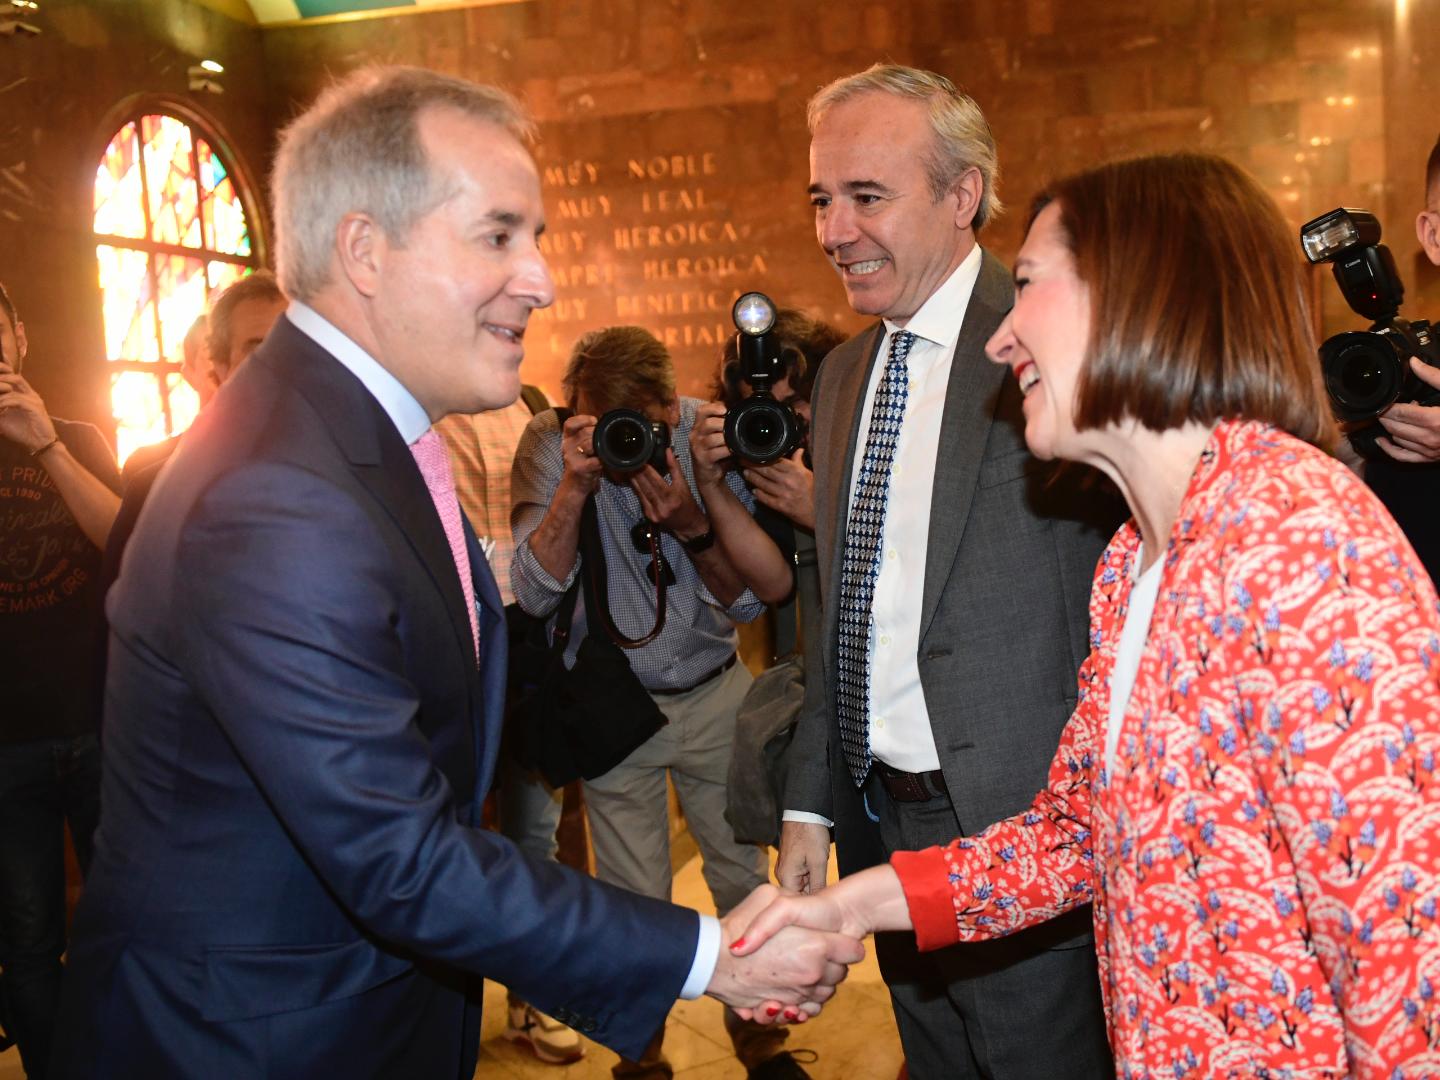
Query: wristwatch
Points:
[696, 544]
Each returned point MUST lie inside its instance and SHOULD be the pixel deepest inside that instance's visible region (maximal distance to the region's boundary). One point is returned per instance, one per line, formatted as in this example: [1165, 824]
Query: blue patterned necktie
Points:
[862, 557]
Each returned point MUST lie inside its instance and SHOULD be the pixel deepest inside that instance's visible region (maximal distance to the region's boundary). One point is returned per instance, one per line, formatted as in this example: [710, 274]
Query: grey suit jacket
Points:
[1004, 608]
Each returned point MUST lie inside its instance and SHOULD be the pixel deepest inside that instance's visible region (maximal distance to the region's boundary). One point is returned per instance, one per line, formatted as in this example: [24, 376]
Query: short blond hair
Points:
[961, 135]
[357, 148]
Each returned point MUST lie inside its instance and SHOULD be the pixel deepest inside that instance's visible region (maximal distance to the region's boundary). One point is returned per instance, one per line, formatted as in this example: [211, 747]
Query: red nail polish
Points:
[791, 1014]
[738, 943]
[773, 1009]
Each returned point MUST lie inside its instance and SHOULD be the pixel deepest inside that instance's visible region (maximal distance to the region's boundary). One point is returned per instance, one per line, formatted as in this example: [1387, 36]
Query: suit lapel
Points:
[382, 463]
[970, 402]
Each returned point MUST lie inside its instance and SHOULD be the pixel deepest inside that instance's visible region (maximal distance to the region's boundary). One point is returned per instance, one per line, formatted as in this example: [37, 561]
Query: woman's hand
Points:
[855, 906]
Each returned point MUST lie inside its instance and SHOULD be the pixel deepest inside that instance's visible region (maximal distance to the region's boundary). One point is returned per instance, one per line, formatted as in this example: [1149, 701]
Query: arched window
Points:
[171, 229]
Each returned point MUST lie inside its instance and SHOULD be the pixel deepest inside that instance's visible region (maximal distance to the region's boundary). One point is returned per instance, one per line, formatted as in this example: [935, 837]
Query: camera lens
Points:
[1362, 377]
[1363, 373]
[624, 440]
[762, 430]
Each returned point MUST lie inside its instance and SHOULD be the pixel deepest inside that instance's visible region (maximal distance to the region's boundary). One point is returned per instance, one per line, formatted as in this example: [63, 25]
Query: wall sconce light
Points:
[202, 77]
[13, 15]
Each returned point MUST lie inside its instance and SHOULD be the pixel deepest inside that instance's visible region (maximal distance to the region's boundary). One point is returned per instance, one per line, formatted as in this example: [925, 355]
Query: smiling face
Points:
[451, 300]
[875, 214]
[1044, 339]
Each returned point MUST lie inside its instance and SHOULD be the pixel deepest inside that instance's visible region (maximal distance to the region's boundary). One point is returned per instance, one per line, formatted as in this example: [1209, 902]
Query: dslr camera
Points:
[627, 440]
[1367, 371]
[760, 429]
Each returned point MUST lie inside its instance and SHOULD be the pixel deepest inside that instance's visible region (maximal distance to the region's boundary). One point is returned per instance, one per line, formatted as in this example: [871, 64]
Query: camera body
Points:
[761, 429]
[627, 440]
[1367, 371]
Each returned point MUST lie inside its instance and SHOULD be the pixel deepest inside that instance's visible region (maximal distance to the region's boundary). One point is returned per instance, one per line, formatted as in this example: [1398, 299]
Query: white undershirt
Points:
[1143, 595]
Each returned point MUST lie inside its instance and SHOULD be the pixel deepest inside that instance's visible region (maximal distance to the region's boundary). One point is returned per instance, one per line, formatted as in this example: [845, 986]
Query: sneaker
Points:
[548, 1039]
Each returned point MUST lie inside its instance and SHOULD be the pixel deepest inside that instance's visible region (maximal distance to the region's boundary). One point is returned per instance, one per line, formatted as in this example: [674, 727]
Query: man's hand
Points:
[1414, 430]
[707, 446]
[23, 417]
[791, 977]
[786, 485]
[804, 856]
[669, 504]
[582, 468]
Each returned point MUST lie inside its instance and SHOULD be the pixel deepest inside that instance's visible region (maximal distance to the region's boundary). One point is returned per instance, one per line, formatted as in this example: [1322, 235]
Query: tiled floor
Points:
[854, 1037]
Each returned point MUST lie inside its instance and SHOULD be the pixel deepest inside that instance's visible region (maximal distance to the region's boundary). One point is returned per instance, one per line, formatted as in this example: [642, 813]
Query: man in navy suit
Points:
[303, 702]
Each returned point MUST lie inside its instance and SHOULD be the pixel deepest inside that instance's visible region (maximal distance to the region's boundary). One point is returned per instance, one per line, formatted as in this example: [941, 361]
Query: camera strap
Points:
[597, 585]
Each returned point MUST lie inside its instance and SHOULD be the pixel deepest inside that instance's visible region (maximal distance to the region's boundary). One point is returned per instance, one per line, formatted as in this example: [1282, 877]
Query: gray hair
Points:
[357, 148]
[261, 285]
[962, 137]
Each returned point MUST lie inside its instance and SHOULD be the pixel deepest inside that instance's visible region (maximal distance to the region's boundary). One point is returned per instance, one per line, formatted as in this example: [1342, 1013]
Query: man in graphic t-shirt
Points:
[58, 486]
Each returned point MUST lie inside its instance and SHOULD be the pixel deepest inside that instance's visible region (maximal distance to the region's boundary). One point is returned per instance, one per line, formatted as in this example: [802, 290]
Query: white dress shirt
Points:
[900, 733]
[407, 414]
[411, 420]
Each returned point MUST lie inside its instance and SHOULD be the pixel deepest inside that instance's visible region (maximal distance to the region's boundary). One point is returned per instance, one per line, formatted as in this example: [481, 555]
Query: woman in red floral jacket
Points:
[1247, 790]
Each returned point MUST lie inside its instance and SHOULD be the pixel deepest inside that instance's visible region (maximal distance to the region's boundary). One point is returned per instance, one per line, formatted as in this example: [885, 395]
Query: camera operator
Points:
[689, 668]
[1408, 479]
[762, 546]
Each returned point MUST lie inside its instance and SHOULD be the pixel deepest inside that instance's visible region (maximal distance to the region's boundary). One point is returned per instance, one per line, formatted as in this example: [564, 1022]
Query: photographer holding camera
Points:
[1384, 382]
[762, 546]
[654, 535]
[1407, 479]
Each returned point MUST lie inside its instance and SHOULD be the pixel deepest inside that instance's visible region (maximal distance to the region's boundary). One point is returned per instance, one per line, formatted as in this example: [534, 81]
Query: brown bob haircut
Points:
[620, 367]
[1197, 310]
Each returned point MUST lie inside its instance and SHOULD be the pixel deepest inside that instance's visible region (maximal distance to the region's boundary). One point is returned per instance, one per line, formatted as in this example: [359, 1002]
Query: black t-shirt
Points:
[50, 594]
[1412, 495]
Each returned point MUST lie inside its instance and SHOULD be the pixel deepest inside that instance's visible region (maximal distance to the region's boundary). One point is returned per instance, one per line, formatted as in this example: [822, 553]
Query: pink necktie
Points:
[434, 462]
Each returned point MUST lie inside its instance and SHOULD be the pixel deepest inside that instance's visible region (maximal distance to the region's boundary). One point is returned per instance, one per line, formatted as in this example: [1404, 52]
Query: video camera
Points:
[1367, 371]
[627, 440]
[760, 429]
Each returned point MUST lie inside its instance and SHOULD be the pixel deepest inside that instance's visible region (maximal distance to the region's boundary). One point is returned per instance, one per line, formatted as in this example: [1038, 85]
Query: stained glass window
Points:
[171, 230]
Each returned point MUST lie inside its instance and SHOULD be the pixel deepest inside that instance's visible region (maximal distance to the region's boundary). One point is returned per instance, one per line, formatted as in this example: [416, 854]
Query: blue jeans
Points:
[43, 785]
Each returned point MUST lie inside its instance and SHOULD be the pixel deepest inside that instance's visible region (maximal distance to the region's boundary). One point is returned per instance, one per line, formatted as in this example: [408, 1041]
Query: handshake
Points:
[782, 954]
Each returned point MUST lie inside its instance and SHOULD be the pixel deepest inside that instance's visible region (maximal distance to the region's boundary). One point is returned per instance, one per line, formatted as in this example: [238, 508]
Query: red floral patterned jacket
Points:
[1265, 862]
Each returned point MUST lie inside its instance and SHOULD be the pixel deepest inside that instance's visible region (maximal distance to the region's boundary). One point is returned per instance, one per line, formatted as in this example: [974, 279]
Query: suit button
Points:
[590, 1027]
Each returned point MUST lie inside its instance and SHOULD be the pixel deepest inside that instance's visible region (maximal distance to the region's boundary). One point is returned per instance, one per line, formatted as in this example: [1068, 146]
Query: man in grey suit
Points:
[933, 712]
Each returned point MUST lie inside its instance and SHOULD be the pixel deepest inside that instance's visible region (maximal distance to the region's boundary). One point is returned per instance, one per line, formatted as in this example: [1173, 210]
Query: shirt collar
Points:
[405, 412]
[939, 318]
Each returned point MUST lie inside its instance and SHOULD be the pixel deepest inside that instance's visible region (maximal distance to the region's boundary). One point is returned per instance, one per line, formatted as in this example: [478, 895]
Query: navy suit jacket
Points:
[288, 878]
